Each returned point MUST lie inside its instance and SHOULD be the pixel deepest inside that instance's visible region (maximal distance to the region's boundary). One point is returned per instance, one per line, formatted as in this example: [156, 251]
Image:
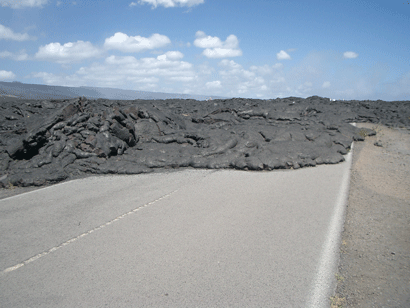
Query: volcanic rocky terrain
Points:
[47, 141]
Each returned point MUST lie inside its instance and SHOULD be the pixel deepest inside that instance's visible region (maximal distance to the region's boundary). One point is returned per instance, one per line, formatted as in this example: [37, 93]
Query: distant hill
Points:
[38, 91]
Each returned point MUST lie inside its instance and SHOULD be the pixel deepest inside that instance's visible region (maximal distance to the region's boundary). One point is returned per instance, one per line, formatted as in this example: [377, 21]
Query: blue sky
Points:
[254, 49]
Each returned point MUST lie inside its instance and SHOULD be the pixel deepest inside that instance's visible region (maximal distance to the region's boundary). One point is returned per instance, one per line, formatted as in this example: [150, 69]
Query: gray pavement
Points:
[192, 238]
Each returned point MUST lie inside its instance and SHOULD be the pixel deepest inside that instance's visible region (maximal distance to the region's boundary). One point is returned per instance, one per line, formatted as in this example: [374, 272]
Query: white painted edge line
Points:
[36, 190]
[84, 179]
[328, 262]
[59, 184]
[44, 253]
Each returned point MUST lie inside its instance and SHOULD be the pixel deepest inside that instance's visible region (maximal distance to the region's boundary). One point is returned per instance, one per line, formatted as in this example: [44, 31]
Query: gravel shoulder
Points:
[374, 269]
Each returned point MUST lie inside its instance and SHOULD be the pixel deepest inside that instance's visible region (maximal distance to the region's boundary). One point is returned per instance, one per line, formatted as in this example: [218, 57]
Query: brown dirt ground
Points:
[374, 269]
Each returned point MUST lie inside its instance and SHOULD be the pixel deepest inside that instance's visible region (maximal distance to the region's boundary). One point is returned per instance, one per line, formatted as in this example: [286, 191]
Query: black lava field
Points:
[47, 141]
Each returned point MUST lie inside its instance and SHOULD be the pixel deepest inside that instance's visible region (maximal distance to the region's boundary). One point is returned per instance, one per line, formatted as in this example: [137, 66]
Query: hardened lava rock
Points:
[51, 140]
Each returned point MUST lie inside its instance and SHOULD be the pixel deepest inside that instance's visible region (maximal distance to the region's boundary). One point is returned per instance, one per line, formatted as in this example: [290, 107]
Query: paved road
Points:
[192, 238]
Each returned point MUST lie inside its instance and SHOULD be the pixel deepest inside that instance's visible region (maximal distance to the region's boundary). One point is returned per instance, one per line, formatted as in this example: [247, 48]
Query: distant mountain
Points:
[38, 91]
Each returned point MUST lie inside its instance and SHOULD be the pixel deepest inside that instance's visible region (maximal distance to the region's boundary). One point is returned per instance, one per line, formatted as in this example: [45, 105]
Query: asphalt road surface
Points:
[189, 238]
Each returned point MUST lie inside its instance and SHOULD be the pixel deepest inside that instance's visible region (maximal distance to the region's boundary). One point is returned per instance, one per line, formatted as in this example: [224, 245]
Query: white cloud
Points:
[221, 53]
[326, 84]
[262, 70]
[8, 34]
[171, 55]
[6, 75]
[125, 43]
[206, 71]
[204, 41]
[231, 42]
[67, 53]
[133, 4]
[318, 73]
[230, 64]
[213, 84]
[153, 74]
[283, 55]
[350, 55]
[266, 69]
[169, 3]
[18, 4]
[239, 81]
[50, 79]
[215, 48]
[21, 56]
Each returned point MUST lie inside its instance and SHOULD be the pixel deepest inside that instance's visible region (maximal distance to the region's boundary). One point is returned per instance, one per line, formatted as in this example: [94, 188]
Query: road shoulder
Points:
[374, 269]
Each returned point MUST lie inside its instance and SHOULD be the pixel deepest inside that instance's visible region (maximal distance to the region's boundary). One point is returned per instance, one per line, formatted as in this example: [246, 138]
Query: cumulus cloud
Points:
[231, 65]
[8, 34]
[215, 48]
[150, 74]
[206, 41]
[125, 43]
[67, 53]
[169, 3]
[350, 55]
[171, 56]
[323, 73]
[21, 56]
[221, 53]
[19, 4]
[203, 41]
[241, 81]
[51, 79]
[213, 84]
[283, 55]
[6, 75]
